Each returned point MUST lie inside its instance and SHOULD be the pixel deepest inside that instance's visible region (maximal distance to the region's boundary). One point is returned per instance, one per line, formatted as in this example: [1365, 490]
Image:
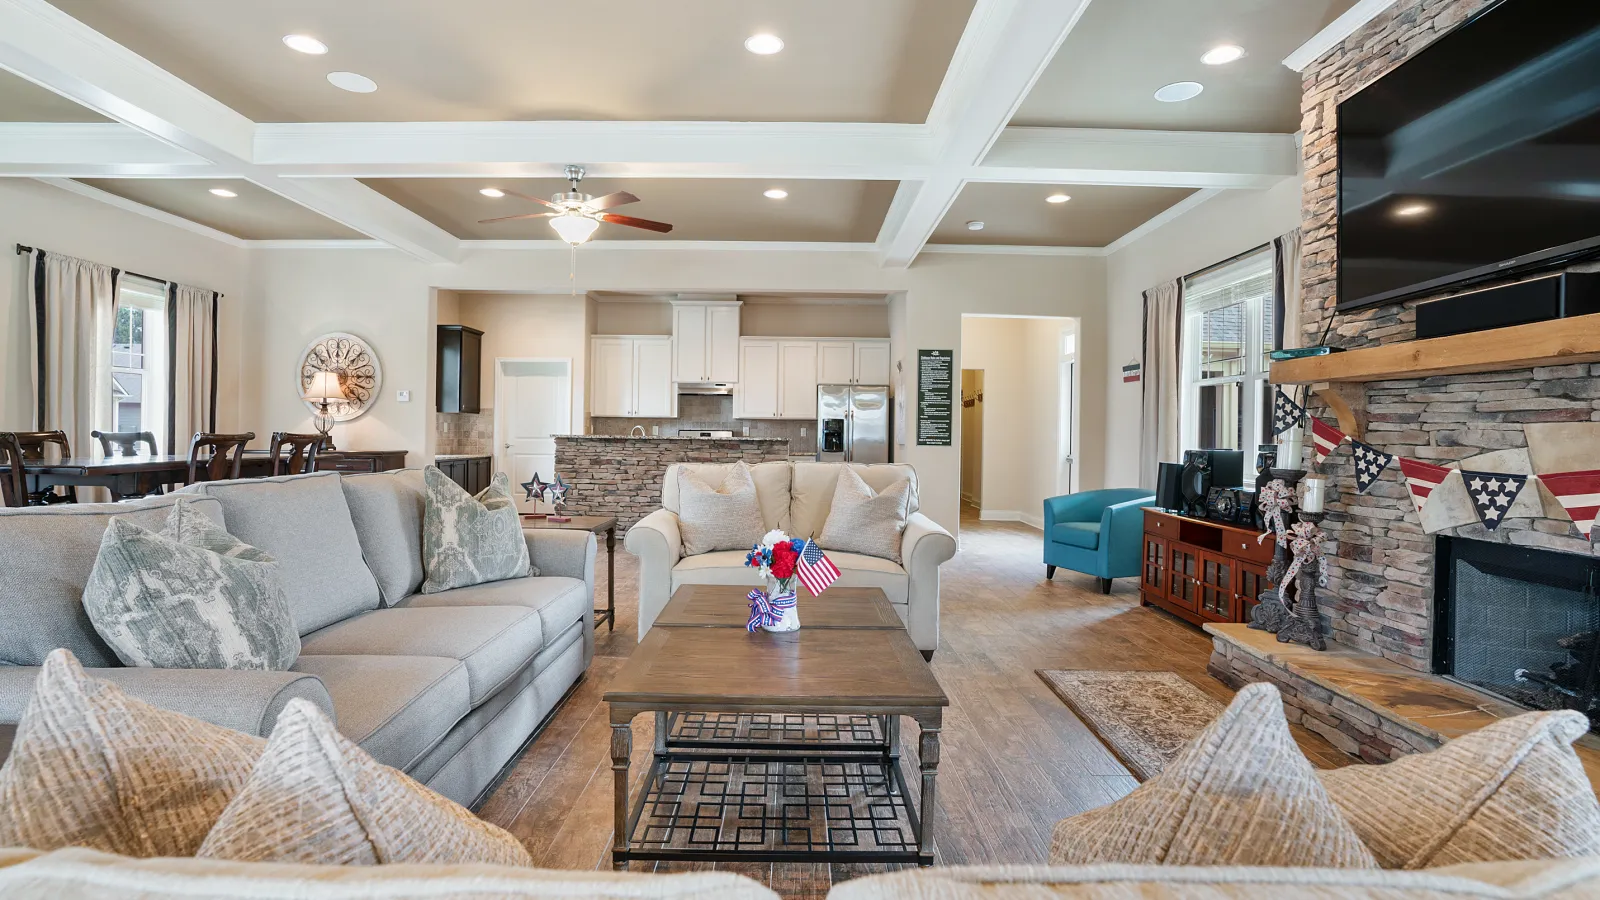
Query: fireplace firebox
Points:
[1519, 622]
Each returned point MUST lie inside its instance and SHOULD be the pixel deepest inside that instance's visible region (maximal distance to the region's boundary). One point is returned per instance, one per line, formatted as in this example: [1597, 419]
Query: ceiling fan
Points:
[577, 214]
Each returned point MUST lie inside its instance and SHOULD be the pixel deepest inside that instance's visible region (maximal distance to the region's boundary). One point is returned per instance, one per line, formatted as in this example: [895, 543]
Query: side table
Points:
[606, 525]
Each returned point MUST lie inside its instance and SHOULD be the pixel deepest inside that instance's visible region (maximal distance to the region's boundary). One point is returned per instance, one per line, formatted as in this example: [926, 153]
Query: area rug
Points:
[1145, 718]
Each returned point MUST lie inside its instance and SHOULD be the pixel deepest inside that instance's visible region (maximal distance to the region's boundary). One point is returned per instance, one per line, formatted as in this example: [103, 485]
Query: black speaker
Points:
[1559, 296]
[1169, 486]
[1205, 469]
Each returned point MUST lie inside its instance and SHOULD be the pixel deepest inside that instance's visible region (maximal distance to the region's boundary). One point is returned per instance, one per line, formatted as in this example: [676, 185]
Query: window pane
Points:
[1222, 345]
[1269, 341]
[127, 346]
[1221, 425]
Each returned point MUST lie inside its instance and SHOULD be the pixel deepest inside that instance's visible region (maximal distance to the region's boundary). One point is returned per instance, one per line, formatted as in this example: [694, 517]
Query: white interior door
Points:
[533, 403]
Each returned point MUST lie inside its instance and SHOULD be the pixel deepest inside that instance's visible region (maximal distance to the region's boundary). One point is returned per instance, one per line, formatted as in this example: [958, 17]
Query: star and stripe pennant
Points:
[1370, 463]
[1579, 493]
[1422, 479]
[1286, 413]
[814, 569]
[1325, 439]
[1492, 494]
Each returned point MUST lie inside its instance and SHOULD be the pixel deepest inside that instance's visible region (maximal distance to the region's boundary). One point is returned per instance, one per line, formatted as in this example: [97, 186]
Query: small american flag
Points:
[816, 571]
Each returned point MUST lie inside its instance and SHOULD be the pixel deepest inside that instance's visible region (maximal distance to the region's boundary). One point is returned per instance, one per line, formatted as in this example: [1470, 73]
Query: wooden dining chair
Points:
[303, 450]
[224, 459]
[13, 484]
[126, 443]
[35, 446]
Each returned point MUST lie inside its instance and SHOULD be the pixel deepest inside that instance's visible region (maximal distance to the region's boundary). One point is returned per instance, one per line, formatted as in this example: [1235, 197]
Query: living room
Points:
[575, 440]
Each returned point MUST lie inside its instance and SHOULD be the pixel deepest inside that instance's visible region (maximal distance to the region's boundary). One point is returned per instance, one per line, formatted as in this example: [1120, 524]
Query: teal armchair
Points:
[1096, 533]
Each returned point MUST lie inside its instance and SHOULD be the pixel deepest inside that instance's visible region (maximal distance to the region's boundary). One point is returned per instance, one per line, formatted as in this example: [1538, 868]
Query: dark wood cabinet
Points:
[361, 461]
[460, 374]
[471, 472]
[1202, 571]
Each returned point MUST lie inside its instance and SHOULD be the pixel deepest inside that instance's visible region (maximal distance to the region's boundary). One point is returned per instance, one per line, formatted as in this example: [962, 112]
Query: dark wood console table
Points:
[1202, 571]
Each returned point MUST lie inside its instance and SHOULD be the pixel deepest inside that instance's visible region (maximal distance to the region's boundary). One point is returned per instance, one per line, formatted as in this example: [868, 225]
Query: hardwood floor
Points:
[1015, 759]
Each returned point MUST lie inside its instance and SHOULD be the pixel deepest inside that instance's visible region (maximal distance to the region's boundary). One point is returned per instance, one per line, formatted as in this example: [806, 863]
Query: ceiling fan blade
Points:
[530, 199]
[617, 198]
[523, 216]
[631, 222]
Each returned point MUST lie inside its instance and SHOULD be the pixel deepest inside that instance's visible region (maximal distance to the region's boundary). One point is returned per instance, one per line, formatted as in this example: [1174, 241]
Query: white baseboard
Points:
[1011, 515]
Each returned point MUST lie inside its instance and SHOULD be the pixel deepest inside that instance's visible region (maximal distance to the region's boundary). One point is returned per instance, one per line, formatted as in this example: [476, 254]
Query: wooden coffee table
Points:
[775, 747]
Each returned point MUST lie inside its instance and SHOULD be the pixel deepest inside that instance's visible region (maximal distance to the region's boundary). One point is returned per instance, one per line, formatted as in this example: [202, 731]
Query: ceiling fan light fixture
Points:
[574, 229]
[763, 44]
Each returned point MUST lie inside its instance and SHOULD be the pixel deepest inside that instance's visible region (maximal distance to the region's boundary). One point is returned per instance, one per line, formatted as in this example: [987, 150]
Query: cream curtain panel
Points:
[74, 315]
[1287, 252]
[192, 355]
[1163, 327]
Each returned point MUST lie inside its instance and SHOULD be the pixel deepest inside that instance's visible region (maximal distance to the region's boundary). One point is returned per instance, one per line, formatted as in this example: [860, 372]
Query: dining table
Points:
[144, 474]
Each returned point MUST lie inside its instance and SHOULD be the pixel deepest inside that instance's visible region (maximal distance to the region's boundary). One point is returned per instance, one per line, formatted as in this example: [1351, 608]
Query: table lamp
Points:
[325, 387]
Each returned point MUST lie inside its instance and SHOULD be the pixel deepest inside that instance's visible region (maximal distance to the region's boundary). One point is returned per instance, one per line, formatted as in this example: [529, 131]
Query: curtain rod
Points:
[24, 248]
[1232, 259]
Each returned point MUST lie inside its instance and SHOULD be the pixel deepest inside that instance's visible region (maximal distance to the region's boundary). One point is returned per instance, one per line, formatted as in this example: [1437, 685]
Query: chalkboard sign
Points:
[935, 392]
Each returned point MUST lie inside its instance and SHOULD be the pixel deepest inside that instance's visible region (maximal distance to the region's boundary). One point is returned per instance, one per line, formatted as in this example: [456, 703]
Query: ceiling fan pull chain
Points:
[572, 268]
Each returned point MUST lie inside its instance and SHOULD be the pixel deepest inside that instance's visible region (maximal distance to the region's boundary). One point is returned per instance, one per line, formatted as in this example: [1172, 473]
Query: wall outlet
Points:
[747, 431]
[403, 396]
[655, 430]
[802, 431]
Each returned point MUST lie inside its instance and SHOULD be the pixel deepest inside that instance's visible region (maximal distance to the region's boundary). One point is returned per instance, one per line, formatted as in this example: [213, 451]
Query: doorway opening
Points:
[971, 440]
[534, 400]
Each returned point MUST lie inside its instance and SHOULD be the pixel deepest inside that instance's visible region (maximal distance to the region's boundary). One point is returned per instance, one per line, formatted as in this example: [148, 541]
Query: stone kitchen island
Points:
[616, 475]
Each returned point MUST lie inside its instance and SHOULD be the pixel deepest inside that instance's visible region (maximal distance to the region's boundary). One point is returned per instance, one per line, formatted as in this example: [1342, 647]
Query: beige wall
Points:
[812, 319]
[1226, 225]
[553, 326]
[40, 215]
[632, 317]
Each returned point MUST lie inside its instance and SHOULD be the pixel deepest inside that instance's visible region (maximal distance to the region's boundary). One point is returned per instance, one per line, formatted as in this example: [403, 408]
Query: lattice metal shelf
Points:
[778, 731]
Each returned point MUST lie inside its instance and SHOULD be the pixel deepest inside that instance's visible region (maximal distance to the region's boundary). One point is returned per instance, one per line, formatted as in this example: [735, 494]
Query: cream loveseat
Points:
[796, 497]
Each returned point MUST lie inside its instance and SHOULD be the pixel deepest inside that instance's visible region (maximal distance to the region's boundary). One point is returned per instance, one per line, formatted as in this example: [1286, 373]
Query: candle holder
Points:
[1304, 625]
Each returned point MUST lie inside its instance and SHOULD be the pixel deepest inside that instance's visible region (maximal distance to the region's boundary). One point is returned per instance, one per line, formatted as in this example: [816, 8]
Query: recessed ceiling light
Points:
[350, 81]
[305, 43]
[223, 192]
[1057, 198]
[1221, 56]
[763, 44]
[775, 193]
[974, 225]
[1180, 91]
[1413, 209]
[493, 192]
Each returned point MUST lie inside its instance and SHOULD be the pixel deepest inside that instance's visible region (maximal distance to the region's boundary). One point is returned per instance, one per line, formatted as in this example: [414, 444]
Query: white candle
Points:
[1289, 448]
[1313, 493]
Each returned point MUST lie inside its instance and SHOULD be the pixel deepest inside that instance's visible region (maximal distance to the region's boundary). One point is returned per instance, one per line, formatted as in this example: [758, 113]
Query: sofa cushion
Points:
[811, 491]
[49, 552]
[558, 601]
[315, 797]
[1077, 534]
[494, 641]
[772, 488]
[396, 708]
[855, 570]
[719, 514]
[304, 523]
[469, 539]
[862, 520]
[386, 508]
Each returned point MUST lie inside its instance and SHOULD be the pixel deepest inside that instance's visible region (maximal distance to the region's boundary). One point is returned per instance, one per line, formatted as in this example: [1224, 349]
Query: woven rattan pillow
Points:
[93, 767]
[865, 521]
[721, 517]
[1241, 794]
[314, 797]
[1512, 790]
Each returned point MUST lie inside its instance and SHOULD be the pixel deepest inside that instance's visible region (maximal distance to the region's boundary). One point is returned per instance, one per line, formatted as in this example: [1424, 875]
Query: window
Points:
[1228, 336]
[138, 357]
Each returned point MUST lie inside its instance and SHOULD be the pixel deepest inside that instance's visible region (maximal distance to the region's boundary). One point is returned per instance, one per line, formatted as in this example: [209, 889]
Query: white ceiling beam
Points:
[149, 212]
[1145, 158]
[1005, 48]
[47, 149]
[1332, 36]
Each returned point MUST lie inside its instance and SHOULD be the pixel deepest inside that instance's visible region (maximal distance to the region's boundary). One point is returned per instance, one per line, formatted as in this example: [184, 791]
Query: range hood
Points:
[706, 388]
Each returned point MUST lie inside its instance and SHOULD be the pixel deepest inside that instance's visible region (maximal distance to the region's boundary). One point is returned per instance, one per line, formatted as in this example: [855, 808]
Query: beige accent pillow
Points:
[314, 797]
[93, 767]
[722, 517]
[1241, 794]
[1512, 790]
[814, 482]
[864, 521]
[772, 488]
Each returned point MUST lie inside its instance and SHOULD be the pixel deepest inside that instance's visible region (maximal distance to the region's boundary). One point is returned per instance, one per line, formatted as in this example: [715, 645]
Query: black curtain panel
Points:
[172, 354]
[211, 418]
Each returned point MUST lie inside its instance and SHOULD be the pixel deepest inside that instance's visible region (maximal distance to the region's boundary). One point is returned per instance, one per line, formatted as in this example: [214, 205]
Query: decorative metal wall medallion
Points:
[356, 364]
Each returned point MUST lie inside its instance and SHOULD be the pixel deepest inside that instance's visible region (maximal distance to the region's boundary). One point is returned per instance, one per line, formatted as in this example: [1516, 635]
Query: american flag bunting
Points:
[1325, 439]
[1422, 479]
[1579, 493]
[1492, 494]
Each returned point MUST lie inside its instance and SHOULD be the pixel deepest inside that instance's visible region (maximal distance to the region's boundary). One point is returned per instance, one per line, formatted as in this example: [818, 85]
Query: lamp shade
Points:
[574, 229]
[325, 386]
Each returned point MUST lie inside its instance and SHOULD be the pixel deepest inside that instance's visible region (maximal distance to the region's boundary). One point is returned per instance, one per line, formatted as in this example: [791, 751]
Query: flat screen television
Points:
[1475, 160]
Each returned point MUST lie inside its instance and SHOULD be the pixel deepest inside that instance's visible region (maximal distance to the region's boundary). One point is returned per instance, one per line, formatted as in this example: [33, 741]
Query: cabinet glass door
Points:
[1183, 571]
[1155, 563]
[1216, 588]
[1252, 581]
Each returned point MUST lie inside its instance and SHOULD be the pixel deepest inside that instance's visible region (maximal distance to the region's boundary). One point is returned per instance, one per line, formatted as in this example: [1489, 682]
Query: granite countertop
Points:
[668, 437]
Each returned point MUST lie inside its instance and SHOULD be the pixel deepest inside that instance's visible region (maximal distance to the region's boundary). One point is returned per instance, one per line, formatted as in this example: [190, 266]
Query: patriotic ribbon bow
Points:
[1275, 500]
[768, 611]
[1307, 548]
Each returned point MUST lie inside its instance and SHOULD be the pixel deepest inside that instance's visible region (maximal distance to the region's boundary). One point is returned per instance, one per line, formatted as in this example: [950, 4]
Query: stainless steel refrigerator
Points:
[853, 423]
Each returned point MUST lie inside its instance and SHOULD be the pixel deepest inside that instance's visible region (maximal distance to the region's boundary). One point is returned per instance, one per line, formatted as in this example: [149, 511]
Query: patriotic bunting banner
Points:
[1421, 479]
[1492, 494]
[1579, 493]
[1286, 413]
[1370, 463]
[1325, 438]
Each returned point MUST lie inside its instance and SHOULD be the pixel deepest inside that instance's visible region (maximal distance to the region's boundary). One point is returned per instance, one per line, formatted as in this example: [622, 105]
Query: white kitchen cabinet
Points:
[872, 362]
[707, 342]
[836, 362]
[631, 376]
[797, 379]
[756, 396]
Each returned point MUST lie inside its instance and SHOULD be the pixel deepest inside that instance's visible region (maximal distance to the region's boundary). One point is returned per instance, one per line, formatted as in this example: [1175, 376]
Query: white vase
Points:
[791, 616]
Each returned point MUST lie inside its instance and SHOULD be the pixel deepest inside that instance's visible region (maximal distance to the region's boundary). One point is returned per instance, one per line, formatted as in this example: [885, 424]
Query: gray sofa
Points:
[446, 687]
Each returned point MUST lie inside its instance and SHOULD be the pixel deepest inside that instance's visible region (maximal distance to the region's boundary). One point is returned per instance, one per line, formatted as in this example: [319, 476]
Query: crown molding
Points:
[739, 246]
[1159, 219]
[149, 212]
[1333, 35]
[1014, 250]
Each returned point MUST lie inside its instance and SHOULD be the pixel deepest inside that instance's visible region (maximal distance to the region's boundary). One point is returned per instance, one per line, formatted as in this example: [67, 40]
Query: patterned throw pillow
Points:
[192, 596]
[92, 767]
[470, 540]
[1241, 794]
[724, 517]
[314, 797]
[1513, 790]
[863, 521]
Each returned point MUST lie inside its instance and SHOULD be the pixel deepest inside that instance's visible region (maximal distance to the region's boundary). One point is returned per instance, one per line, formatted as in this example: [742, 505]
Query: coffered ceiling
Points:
[255, 214]
[23, 101]
[1018, 214]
